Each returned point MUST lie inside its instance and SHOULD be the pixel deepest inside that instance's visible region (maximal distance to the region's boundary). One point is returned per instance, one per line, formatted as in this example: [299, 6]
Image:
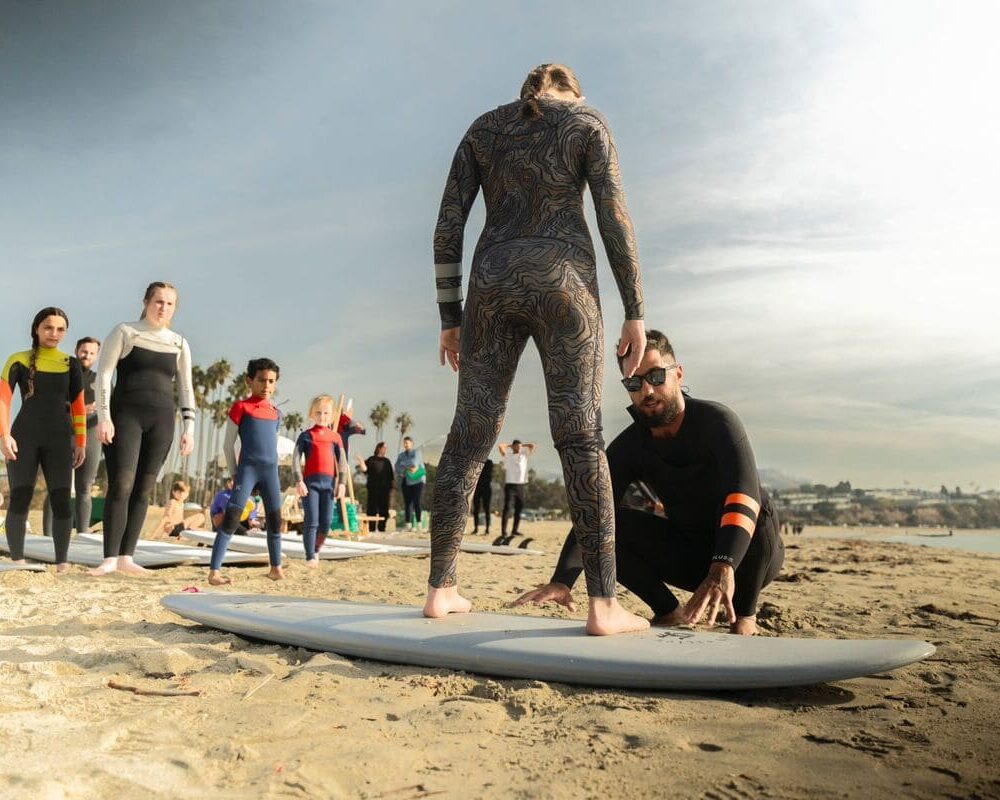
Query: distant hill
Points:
[781, 481]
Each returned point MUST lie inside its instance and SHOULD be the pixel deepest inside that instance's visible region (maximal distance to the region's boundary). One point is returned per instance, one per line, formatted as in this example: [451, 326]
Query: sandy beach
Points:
[270, 721]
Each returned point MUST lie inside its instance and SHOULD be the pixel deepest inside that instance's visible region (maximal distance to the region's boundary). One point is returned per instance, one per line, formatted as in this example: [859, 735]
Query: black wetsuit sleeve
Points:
[620, 464]
[740, 492]
[460, 192]
[613, 220]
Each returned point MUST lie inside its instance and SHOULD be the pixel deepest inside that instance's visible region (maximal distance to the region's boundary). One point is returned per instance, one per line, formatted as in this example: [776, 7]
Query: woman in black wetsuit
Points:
[49, 430]
[136, 420]
[534, 276]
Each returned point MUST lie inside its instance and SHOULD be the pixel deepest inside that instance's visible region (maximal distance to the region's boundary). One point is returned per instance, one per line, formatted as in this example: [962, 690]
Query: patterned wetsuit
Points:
[706, 478]
[49, 422]
[533, 276]
[323, 452]
[146, 361]
[256, 422]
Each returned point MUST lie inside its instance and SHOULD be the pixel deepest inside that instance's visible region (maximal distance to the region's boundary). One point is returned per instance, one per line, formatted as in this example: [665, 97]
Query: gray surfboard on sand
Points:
[539, 648]
[466, 546]
[253, 544]
[193, 556]
[39, 548]
[9, 566]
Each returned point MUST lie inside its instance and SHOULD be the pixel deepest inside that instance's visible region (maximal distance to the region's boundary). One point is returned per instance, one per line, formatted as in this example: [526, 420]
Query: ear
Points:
[680, 373]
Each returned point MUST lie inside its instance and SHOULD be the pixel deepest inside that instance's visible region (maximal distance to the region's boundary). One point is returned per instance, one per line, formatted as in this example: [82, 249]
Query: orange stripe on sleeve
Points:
[740, 520]
[6, 396]
[78, 410]
[743, 500]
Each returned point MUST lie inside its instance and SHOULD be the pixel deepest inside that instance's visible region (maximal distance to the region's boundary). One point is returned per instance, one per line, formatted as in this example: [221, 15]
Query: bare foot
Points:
[106, 567]
[215, 578]
[671, 620]
[744, 626]
[127, 565]
[606, 617]
[312, 563]
[441, 602]
[63, 567]
[276, 574]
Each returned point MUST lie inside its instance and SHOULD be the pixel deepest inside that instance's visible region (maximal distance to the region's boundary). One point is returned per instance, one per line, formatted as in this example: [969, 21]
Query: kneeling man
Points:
[720, 536]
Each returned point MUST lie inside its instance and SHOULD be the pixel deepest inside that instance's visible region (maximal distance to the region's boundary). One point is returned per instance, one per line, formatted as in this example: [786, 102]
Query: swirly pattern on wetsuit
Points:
[533, 276]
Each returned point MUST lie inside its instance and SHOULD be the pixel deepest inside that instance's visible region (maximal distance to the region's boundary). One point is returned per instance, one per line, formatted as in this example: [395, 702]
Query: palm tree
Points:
[379, 416]
[404, 422]
[292, 423]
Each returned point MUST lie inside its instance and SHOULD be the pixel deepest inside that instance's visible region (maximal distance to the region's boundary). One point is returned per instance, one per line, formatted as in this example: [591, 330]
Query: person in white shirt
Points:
[515, 463]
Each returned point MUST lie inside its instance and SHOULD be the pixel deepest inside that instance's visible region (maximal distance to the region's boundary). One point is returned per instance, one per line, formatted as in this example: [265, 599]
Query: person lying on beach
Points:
[256, 422]
[720, 536]
[174, 520]
[217, 511]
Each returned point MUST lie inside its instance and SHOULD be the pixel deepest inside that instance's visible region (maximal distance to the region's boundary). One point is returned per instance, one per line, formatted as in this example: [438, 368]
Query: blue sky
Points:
[813, 186]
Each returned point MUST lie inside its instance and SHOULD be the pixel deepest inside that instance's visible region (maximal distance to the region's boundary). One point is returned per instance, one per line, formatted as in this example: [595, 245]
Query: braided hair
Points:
[541, 79]
[40, 317]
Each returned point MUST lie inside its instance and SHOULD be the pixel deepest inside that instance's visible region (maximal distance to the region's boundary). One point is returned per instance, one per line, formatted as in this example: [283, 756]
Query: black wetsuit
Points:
[482, 495]
[51, 418]
[533, 276]
[83, 476]
[147, 361]
[707, 480]
[380, 478]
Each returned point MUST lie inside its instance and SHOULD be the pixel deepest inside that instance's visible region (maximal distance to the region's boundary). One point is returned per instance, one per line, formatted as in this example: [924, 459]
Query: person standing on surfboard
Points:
[720, 537]
[534, 276]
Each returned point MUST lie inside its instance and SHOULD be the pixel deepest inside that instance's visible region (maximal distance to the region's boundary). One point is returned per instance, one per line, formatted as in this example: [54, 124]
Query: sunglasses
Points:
[655, 377]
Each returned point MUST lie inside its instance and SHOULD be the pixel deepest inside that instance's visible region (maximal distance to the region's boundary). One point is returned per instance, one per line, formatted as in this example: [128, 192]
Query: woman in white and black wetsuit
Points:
[136, 419]
[534, 275]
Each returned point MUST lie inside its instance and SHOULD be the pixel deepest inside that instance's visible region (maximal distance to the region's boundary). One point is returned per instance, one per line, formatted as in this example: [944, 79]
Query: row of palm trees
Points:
[216, 388]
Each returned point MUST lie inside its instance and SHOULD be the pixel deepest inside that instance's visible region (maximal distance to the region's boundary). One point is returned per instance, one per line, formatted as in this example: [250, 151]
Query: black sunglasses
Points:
[655, 377]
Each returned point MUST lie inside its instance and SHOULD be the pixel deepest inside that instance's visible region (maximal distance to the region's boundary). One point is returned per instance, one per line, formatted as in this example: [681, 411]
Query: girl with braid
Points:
[534, 275]
[136, 420]
[49, 430]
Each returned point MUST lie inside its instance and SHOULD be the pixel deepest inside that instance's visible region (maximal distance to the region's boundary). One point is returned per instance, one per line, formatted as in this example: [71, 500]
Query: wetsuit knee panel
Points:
[61, 506]
[579, 441]
[20, 499]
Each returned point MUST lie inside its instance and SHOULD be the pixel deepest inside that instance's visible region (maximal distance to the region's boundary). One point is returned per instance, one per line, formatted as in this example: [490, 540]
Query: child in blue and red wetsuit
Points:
[256, 422]
[325, 462]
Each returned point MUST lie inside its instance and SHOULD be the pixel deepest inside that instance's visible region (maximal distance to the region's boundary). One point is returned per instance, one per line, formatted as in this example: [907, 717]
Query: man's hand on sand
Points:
[550, 592]
[448, 347]
[715, 594]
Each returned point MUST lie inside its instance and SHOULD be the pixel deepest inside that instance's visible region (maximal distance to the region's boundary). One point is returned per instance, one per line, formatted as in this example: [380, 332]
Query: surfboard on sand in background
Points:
[350, 544]
[10, 566]
[539, 648]
[194, 556]
[466, 546]
[253, 544]
[39, 548]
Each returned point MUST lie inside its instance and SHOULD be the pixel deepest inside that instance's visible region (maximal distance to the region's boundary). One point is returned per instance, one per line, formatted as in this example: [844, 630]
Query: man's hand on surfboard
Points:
[715, 594]
[555, 592]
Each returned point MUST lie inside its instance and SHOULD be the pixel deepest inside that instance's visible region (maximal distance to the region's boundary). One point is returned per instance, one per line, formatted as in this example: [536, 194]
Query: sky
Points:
[813, 187]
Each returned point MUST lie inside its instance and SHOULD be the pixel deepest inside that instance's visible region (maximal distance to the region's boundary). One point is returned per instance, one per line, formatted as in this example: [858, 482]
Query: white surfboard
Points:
[194, 556]
[465, 547]
[348, 544]
[253, 544]
[10, 566]
[540, 648]
[39, 548]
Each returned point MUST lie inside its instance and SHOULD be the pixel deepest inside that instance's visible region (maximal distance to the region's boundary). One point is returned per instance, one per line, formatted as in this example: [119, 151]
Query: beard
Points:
[660, 412]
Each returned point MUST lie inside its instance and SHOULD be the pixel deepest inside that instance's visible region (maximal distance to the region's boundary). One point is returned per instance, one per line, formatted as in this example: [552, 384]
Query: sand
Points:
[282, 722]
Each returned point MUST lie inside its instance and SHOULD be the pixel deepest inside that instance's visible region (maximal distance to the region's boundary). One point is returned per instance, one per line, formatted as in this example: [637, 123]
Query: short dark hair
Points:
[516, 441]
[86, 340]
[655, 340]
[255, 365]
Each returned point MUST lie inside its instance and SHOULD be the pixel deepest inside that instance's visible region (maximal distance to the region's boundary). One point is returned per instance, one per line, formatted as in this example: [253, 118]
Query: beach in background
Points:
[270, 721]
